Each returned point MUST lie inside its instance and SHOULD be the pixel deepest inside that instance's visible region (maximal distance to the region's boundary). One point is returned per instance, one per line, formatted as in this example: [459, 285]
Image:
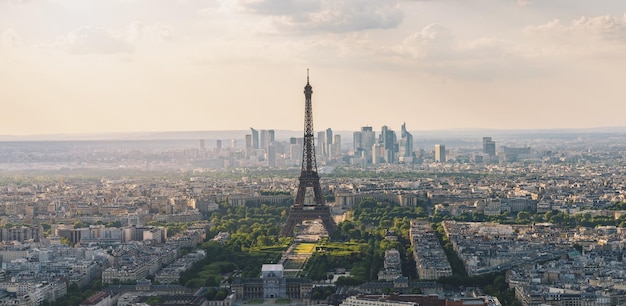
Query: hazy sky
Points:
[86, 66]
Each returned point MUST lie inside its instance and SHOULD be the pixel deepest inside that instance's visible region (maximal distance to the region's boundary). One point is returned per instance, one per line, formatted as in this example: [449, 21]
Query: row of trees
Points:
[253, 242]
[226, 261]
[250, 226]
[363, 249]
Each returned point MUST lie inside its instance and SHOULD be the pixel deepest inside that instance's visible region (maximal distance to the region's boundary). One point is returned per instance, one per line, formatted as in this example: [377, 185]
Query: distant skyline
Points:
[81, 67]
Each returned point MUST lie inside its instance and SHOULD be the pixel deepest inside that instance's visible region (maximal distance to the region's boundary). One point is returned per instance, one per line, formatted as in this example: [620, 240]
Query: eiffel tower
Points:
[309, 178]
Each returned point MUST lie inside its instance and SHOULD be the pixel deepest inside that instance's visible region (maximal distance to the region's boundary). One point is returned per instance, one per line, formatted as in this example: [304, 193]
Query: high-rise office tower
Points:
[293, 140]
[440, 153]
[202, 148]
[255, 138]
[383, 133]
[218, 145]
[489, 146]
[295, 151]
[321, 138]
[388, 140]
[266, 138]
[335, 147]
[368, 139]
[271, 155]
[328, 141]
[249, 147]
[357, 141]
[378, 153]
[233, 143]
[406, 143]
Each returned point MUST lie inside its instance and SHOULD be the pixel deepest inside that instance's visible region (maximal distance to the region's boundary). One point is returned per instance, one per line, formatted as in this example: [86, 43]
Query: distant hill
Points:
[283, 135]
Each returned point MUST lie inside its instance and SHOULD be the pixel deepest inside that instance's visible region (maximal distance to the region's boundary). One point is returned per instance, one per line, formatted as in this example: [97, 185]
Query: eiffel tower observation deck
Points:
[309, 178]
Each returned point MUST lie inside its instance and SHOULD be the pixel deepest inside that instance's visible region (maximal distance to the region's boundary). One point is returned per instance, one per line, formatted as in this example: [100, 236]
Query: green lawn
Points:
[305, 248]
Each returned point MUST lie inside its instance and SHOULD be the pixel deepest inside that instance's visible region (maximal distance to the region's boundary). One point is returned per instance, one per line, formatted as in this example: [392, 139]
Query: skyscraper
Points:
[406, 143]
[335, 148]
[295, 151]
[249, 147]
[489, 146]
[328, 141]
[218, 145]
[266, 138]
[368, 139]
[378, 153]
[255, 138]
[357, 142]
[321, 139]
[271, 155]
[388, 140]
[440, 153]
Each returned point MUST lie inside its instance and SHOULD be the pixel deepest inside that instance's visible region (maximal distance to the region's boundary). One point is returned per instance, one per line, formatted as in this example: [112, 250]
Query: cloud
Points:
[14, 1]
[10, 38]
[280, 7]
[606, 27]
[434, 40]
[436, 50]
[335, 16]
[137, 31]
[94, 40]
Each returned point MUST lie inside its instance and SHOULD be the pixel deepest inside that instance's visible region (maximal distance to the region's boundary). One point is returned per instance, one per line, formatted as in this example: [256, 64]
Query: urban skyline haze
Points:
[74, 66]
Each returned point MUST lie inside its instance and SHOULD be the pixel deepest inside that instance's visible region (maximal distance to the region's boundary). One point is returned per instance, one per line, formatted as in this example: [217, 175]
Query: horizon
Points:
[144, 66]
[224, 134]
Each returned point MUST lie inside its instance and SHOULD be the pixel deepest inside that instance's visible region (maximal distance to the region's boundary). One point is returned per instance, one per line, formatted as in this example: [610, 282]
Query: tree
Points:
[348, 281]
[221, 294]
[195, 283]
[317, 295]
[523, 217]
[210, 295]
[80, 224]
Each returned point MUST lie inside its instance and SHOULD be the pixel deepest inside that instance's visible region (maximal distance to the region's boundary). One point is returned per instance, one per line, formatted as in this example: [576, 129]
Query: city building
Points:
[363, 142]
[267, 137]
[327, 143]
[335, 148]
[392, 266]
[430, 259]
[218, 145]
[255, 138]
[489, 146]
[249, 145]
[405, 145]
[440, 153]
[388, 140]
[272, 284]
[378, 153]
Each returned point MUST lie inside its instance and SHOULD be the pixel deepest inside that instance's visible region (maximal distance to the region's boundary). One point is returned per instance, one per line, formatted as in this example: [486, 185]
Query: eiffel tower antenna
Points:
[309, 178]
